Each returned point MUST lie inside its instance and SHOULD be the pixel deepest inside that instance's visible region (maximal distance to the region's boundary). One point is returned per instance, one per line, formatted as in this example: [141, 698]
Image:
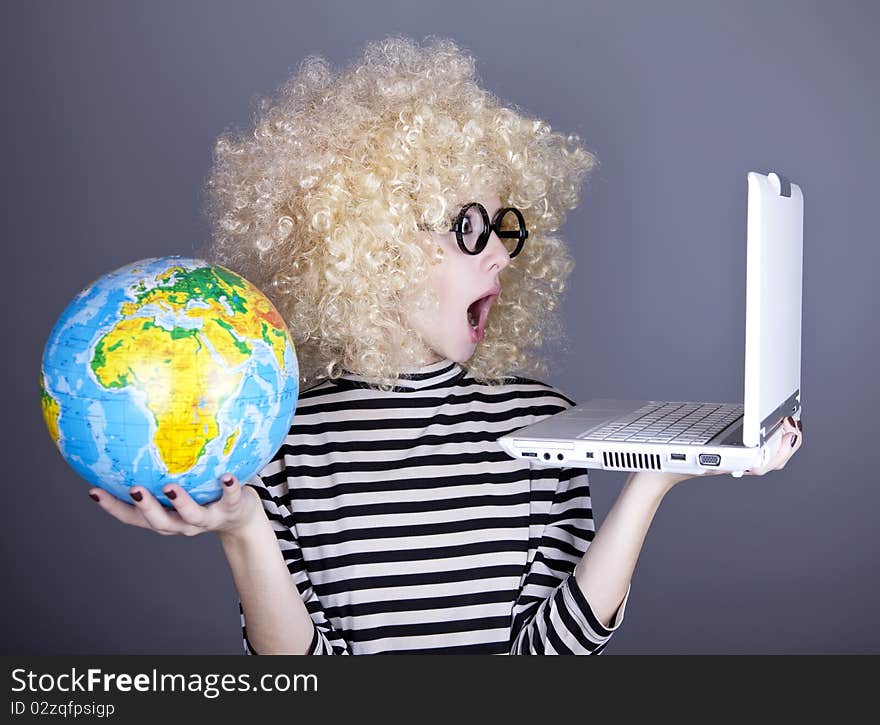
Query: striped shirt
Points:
[408, 529]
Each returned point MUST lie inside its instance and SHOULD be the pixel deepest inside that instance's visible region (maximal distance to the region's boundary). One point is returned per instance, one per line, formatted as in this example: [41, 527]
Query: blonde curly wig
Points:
[323, 206]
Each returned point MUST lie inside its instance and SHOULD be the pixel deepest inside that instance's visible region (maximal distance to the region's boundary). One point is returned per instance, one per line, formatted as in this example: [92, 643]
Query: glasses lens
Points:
[472, 228]
[509, 230]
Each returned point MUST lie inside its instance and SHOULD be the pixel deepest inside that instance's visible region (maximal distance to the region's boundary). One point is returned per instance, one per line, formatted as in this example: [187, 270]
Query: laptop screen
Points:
[774, 272]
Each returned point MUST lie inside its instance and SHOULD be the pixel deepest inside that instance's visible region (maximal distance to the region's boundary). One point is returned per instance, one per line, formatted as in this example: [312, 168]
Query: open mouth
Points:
[477, 313]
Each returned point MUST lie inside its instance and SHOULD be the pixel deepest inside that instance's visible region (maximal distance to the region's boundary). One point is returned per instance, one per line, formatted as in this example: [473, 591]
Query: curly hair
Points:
[324, 203]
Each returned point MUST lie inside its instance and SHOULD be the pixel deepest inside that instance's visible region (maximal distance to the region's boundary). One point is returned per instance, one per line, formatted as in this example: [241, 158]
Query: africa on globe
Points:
[169, 370]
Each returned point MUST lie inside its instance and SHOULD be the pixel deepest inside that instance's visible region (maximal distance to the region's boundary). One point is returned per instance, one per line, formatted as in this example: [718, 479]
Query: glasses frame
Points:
[490, 226]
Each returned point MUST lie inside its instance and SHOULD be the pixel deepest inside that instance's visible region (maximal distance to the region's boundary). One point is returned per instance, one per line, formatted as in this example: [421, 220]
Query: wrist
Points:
[654, 483]
[251, 527]
[241, 536]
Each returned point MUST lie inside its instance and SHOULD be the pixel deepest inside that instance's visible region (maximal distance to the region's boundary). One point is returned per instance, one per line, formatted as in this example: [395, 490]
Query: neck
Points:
[428, 359]
[421, 356]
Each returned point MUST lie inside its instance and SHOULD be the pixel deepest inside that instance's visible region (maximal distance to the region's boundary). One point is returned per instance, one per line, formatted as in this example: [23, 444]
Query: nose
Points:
[495, 254]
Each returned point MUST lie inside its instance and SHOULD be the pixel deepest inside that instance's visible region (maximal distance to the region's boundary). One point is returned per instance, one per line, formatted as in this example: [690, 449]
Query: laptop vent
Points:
[643, 461]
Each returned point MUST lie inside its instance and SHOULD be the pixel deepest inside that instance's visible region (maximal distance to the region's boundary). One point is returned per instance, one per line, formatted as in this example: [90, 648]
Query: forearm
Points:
[277, 619]
[604, 572]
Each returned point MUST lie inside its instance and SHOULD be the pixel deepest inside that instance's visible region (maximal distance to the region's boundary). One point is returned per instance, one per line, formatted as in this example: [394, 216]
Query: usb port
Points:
[530, 453]
[677, 457]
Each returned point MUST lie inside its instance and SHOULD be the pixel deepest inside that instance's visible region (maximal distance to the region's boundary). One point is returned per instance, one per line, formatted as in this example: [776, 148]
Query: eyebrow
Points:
[491, 212]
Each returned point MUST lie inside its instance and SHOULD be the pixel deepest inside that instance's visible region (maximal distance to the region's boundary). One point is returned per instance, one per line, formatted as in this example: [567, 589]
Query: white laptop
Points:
[695, 437]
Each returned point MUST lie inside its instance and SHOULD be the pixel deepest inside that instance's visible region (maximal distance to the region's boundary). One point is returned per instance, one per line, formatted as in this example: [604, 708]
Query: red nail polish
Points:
[170, 494]
[227, 480]
[793, 440]
[137, 495]
[94, 497]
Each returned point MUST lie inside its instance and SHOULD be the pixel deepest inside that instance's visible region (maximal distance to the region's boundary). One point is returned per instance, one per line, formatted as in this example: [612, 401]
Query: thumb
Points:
[231, 489]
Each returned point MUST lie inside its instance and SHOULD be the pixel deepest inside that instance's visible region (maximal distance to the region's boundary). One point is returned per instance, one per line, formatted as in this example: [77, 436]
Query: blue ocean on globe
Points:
[169, 370]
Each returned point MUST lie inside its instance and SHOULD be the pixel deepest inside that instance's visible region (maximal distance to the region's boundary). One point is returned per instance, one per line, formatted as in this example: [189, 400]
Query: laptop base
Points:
[572, 446]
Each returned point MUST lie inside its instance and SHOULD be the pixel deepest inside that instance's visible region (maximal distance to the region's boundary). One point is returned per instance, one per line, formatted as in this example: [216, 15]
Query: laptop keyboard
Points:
[687, 423]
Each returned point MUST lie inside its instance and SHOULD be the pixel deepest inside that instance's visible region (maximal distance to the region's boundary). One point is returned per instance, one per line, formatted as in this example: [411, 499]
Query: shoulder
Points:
[317, 396]
[529, 389]
[511, 403]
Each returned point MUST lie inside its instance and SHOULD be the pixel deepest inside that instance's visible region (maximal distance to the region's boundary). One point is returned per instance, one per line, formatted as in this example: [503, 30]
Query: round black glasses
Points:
[472, 228]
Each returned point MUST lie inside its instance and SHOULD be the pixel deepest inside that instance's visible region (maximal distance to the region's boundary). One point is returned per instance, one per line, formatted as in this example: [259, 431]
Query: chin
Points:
[455, 347]
[462, 354]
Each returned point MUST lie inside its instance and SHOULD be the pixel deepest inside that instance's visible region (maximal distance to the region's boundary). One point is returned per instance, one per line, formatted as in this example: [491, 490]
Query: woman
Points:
[403, 219]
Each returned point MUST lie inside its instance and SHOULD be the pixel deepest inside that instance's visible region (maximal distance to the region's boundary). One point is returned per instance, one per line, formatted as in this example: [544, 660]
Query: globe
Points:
[169, 370]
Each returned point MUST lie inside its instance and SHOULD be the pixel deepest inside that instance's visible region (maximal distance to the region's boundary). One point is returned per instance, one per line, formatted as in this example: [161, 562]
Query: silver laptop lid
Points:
[774, 273]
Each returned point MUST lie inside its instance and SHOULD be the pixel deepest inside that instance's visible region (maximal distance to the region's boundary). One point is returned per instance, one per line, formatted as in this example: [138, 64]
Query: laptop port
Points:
[678, 457]
[530, 453]
[710, 459]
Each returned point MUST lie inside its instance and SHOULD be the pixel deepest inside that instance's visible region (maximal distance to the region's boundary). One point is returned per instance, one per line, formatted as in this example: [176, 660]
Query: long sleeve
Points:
[325, 640]
[551, 614]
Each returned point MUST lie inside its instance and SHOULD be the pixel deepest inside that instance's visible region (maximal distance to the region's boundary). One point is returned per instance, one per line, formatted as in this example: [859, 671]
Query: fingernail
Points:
[170, 494]
[94, 497]
[137, 495]
[793, 440]
[800, 426]
[227, 480]
[791, 421]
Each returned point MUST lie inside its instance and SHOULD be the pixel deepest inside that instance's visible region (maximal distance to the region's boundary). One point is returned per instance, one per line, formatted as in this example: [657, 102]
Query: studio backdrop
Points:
[111, 113]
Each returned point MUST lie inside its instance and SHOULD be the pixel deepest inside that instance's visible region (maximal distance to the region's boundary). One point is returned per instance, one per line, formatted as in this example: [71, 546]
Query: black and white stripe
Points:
[408, 529]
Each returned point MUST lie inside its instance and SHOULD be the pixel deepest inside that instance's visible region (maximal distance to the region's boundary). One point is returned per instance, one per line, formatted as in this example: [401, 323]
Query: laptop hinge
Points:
[790, 407]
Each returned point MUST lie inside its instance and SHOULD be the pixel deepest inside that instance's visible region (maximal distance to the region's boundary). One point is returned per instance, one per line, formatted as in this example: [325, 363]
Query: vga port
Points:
[710, 459]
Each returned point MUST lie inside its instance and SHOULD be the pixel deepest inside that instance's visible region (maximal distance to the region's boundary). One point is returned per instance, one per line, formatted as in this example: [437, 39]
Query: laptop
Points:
[696, 437]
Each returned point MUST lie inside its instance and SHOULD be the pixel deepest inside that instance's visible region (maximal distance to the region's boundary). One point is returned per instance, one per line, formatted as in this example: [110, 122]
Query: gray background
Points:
[111, 110]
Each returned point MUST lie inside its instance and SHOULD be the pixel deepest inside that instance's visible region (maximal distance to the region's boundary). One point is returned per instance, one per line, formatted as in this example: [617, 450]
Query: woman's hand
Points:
[791, 440]
[238, 507]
